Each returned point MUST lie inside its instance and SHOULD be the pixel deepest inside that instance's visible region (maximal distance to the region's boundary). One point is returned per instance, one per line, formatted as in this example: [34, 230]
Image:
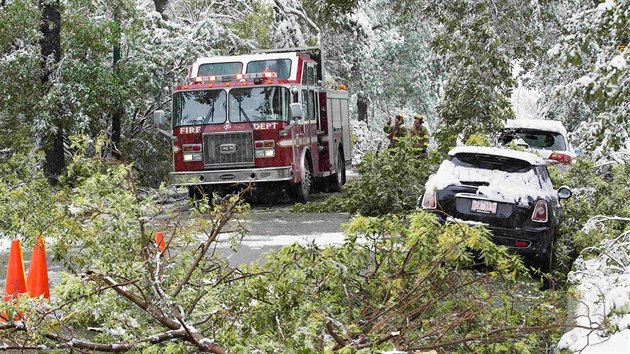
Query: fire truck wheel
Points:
[197, 193]
[301, 192]
[338, 179]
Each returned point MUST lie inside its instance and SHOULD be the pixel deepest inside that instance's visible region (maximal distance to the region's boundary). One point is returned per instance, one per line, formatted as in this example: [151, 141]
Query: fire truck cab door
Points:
[310, 106]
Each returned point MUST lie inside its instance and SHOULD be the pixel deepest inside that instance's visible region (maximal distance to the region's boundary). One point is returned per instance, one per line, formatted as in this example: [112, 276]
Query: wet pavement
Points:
[270, 227]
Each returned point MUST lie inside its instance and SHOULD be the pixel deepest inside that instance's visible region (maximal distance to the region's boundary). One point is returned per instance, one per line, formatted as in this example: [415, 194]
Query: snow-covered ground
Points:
[602, 284]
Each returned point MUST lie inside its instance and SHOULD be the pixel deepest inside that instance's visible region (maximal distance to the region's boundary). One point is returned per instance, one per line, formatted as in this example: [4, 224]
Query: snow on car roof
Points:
[519, 155]
[537, 124]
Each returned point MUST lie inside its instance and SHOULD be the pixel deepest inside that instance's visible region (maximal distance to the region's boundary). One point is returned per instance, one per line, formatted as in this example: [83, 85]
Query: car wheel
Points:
[301, 191]
[546, 260]
[338, 179]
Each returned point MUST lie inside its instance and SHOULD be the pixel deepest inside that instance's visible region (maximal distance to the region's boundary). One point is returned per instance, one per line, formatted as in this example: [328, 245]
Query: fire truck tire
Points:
[338, 179]
[301, 192]
[197, 193]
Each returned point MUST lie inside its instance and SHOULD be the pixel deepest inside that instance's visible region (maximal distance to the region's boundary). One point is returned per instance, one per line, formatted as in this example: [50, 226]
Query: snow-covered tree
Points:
[594, 50]
[477, 42]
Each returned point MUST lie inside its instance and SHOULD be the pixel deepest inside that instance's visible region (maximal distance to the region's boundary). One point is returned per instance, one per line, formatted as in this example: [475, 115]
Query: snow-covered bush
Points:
[365, 140]
[594, 194]
[391, 182]
[601, 287]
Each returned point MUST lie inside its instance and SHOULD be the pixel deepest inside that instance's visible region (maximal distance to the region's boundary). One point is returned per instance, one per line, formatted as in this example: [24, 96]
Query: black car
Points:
[509, 192]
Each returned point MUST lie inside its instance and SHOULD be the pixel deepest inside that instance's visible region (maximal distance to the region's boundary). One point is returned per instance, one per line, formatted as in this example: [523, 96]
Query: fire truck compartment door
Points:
[338, 122]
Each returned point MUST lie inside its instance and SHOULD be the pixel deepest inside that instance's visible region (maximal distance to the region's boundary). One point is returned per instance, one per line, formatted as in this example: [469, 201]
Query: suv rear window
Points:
[491, 162]
[537, 139]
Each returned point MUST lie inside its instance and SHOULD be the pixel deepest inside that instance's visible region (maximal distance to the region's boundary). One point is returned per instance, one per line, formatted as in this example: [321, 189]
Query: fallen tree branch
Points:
[486, 336]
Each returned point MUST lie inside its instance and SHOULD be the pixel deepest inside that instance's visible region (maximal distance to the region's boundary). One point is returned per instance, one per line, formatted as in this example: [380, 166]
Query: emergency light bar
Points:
[237, 77]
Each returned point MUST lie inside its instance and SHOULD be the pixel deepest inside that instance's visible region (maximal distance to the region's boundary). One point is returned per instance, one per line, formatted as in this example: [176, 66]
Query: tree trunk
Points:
[116, 129]
[117, 116]
[160, 7]
[55, 158]
[362, 108]
[50, 43]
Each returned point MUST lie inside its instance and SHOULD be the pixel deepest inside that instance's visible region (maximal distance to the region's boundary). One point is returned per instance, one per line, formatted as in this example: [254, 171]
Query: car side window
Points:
[543, 174]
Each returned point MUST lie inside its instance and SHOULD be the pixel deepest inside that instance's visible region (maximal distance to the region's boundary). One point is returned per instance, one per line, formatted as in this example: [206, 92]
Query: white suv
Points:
[546, 138]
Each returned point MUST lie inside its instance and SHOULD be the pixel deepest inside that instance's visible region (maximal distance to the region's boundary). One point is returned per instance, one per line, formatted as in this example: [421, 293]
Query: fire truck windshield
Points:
[199, 107]
[259, 104]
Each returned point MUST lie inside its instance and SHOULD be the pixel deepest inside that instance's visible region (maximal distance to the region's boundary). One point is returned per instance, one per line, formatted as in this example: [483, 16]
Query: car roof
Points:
[537, 124]
[481, 150]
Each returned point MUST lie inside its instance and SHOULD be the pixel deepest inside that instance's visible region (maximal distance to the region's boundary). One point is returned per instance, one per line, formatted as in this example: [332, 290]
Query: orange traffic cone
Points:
[37, 281]
[15, 283]
[159, 239]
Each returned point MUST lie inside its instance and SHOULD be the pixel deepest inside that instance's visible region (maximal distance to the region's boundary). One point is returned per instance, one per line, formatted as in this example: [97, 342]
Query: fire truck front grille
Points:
[234, 149]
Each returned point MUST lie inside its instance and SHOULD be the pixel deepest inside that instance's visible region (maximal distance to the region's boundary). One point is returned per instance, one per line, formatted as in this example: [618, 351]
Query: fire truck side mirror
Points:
[296, 110]
[158, 117]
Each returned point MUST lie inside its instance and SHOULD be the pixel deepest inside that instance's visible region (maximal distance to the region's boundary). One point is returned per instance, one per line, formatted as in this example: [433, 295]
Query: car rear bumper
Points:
[538, 238]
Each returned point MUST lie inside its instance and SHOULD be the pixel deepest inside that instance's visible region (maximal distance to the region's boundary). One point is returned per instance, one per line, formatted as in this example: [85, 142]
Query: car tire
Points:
[301, 192]
[546, 260]
[337, 180]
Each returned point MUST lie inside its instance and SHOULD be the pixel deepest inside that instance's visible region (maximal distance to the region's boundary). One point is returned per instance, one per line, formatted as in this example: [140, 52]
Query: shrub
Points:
[590, 214]
[391, 182]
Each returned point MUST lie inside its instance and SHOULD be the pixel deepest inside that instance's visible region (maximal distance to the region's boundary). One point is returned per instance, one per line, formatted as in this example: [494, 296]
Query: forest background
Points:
[95, 67]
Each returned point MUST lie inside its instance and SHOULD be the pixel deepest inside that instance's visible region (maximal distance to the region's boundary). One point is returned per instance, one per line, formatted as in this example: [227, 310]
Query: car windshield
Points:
[259, 104]
[537, 139]
[199, 107]
[491, 162]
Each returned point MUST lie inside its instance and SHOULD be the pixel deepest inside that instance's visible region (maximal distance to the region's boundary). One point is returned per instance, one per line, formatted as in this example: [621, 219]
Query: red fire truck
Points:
[262, 118]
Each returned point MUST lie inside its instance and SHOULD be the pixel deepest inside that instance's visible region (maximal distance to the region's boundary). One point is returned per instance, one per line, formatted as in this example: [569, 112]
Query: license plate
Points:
[483, 206]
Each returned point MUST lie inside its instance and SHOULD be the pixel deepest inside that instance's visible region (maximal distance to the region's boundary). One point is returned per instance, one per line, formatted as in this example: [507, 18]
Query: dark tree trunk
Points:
[362, 108]
[50, 42]
[55, 158]
[160, 7]
[116, 129]
[117, 116]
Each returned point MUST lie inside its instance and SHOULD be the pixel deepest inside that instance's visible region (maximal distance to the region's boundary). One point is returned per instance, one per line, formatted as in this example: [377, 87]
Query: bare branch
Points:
[225, 218]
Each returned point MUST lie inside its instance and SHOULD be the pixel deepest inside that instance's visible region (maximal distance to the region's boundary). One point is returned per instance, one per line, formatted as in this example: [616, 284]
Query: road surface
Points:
[271, 227]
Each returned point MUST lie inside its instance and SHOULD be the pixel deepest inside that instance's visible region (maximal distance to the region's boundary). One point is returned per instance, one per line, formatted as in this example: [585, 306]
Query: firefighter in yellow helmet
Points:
[420, 134]
[395, 129]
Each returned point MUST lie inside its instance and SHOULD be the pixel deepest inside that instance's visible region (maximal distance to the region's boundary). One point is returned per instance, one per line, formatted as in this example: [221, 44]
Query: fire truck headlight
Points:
[192, 157]
[263, 153]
